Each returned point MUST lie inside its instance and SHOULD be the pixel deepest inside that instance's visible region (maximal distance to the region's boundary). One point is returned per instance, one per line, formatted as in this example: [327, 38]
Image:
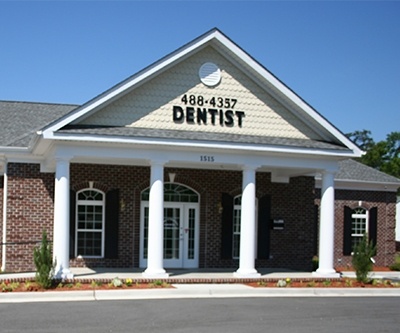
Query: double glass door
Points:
[180, 235]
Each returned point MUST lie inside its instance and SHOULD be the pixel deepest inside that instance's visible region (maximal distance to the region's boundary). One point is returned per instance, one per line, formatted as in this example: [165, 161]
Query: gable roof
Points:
[265, 79]
[20, 120]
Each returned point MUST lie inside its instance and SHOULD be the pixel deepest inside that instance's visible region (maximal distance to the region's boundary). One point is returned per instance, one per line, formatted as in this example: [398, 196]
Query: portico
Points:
[156, 204]
[244, 145]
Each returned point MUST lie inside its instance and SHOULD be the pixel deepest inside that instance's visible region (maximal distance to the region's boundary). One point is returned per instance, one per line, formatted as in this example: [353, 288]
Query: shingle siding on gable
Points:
[151, 105]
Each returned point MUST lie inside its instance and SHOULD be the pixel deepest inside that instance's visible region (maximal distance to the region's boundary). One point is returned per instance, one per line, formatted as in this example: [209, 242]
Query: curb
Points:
[184, 291]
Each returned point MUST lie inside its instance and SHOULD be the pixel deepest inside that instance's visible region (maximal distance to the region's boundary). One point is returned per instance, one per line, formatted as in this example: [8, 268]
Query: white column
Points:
[155, 247]
[327, 225]
[61, 219]
[248, 226]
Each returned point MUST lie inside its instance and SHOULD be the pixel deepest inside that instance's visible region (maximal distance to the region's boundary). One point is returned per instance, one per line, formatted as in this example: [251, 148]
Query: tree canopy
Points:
[383, 155]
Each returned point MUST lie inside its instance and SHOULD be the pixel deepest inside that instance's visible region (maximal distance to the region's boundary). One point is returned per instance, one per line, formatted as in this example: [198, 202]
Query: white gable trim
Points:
[213, 36]
[199, 144]
[126, 86]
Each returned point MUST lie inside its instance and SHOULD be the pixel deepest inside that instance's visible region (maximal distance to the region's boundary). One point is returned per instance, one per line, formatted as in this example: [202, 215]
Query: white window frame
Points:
[237, 209]
[356, 237]
[77, 230]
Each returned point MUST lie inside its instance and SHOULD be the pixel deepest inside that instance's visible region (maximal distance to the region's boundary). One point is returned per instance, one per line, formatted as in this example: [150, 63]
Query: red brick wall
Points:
[129, 180]
[30, 209]
[386, 204]
[1, 217]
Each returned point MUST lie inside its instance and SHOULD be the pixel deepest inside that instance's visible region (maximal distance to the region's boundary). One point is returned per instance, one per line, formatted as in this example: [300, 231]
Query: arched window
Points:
[174, 193]
[90, 211]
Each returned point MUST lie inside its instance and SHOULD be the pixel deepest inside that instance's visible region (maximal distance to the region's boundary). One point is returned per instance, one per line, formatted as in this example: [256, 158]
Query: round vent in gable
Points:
[210, 74]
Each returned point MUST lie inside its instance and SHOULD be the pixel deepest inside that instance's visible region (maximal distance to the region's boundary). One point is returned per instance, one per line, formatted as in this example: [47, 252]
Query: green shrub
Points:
[44, 264]
[362, 263]
[396, 265]
[315, 263]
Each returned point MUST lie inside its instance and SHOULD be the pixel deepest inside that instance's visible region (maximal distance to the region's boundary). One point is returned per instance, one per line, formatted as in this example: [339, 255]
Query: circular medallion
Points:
[210, 74]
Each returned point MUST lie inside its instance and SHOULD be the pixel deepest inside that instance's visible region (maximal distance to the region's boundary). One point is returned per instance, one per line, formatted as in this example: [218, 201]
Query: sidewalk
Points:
[188, 276]
[192, 291]
[214, 288]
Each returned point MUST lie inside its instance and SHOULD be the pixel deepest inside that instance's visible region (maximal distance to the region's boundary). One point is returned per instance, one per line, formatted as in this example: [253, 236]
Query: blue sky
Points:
[342, 57]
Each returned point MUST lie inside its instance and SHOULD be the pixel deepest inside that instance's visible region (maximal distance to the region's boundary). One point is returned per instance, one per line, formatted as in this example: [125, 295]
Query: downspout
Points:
[4, 233]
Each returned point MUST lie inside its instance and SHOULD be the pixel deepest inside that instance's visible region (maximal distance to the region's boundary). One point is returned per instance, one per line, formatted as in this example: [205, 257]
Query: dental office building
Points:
[203, 160]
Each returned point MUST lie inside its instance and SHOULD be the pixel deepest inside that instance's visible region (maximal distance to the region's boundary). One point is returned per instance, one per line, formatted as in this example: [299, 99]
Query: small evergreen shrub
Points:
[362, 263]
[315, 263]
[44, 264]
[396, 265]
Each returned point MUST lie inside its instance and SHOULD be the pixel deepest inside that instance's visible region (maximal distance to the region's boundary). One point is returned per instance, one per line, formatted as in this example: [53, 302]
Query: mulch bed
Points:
[334, 283]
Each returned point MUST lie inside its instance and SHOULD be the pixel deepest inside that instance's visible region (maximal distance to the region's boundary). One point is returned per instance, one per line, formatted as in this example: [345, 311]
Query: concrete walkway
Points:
[192, 291]
[220, 283]
[210, 275]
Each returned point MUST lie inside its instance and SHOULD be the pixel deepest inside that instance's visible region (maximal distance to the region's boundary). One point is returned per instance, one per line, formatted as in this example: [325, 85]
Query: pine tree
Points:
[44, 264]
[362, 263]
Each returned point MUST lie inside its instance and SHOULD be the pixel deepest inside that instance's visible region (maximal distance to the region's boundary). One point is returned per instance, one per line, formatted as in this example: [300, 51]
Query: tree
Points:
[362, 139]
[362, 259]
[44, 264]
[383, 155]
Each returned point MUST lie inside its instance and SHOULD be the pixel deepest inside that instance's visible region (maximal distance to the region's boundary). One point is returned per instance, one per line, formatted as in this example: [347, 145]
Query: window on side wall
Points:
[359, 225]
[358, 221]
[90, 217]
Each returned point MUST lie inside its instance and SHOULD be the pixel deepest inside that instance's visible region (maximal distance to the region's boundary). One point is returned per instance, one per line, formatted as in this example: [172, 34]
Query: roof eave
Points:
[201, 144]
[214, 36]
[362, 185]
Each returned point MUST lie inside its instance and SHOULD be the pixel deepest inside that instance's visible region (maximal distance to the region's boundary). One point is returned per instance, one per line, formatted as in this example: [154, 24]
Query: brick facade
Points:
[386, 223]
[30, 209]
[1, 214]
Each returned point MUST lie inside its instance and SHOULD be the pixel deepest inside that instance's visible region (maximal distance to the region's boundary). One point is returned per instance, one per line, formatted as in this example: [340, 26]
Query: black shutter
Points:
[347, 231]
[227, 226]
[316, 229]
[72, 221]
[264, 218]
[111, 224]
[373, 226]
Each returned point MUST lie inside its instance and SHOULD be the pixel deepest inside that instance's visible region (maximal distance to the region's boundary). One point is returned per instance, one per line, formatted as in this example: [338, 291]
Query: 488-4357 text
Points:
[199, 100]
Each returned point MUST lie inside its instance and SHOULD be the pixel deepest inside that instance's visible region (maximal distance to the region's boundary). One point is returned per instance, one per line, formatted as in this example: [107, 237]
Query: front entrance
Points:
[181, 231]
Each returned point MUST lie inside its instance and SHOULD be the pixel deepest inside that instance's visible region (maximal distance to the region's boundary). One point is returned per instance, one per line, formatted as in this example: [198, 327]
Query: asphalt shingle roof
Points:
[20, 120]
[354, 171]
[197, 136]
